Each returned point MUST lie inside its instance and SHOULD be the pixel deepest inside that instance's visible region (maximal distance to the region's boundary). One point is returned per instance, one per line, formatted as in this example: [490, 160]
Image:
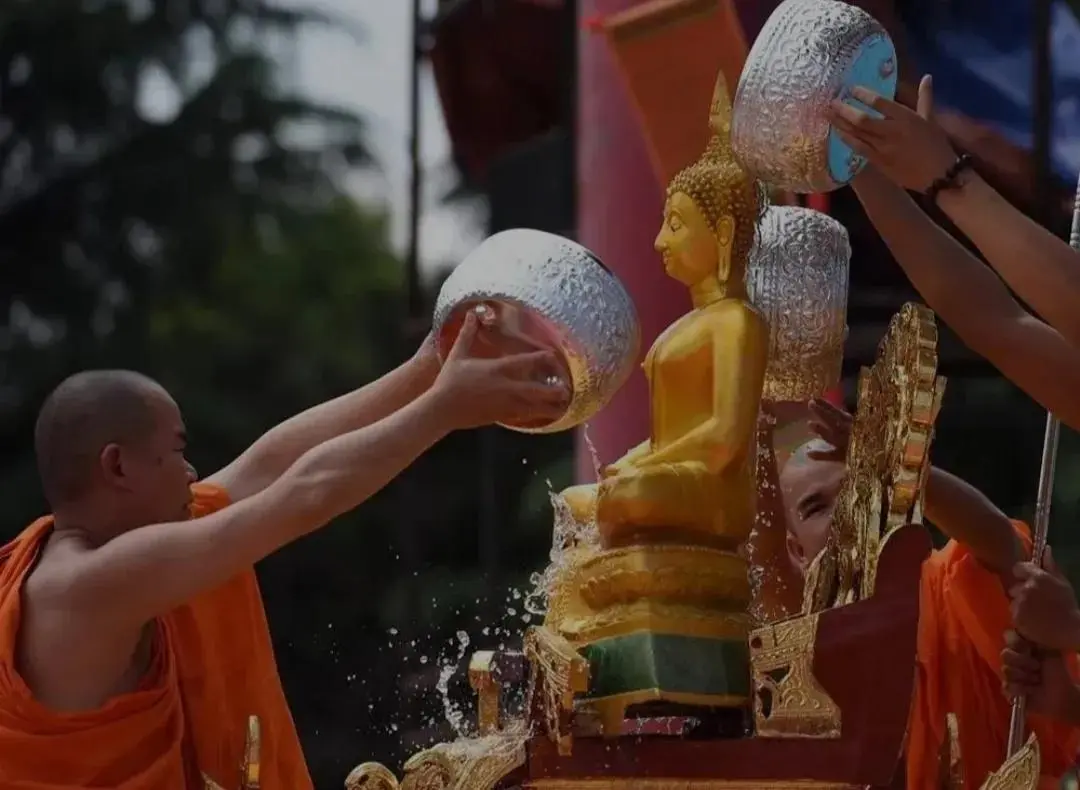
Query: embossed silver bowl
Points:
[809, 53]
[798, 279]
[538, 290]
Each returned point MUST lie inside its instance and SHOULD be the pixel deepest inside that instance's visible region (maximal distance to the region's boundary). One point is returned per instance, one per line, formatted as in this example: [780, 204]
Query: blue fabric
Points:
[980, 53]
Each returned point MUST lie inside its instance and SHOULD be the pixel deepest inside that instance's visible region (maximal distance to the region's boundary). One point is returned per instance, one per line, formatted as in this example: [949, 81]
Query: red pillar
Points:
[619, 214]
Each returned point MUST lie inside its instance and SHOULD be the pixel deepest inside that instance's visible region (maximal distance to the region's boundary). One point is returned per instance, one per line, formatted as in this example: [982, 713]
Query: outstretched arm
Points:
[914, 151]
[954, 506]
[1039, 266]
[966, 515]
[273, 453]
[973, 301]
[146, 572]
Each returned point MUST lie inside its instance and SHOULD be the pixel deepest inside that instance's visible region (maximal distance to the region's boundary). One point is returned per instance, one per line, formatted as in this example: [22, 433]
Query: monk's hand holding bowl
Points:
[479, 390]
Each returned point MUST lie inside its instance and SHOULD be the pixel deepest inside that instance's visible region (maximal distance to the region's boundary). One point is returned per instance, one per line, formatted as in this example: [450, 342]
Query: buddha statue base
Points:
[665, 627]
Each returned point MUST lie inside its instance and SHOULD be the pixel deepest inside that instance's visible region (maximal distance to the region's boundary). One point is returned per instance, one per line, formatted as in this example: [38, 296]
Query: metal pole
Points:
[1042, 506]
[1042, 122]
[413, 294]
[1042, 128]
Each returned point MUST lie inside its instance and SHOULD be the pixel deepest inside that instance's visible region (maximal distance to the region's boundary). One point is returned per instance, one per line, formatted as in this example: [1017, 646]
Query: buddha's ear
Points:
[725, 231]
[725, 236]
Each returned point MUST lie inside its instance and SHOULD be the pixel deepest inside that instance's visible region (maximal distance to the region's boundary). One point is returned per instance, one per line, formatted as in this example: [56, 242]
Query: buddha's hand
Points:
[831, 425]
[477, 391]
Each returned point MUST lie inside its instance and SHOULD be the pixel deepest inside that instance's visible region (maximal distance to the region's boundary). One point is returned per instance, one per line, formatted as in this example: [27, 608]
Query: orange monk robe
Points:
[212, 667]
[963, 617]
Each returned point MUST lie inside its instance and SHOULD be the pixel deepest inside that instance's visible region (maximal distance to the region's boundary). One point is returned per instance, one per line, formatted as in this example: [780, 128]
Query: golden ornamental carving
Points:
[683, 784]
[469, 764]
[647, 615]
[690, 575]
[557, 673]
[250, 766]
[788, 700]
[1019, 772]
[488, 691]
[887, 462]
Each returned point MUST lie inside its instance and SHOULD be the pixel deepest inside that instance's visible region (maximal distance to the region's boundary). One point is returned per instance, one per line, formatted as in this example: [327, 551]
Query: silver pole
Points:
[1042, 507]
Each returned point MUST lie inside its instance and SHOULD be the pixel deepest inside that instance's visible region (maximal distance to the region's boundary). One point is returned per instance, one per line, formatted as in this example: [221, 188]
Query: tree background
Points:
[214, 247]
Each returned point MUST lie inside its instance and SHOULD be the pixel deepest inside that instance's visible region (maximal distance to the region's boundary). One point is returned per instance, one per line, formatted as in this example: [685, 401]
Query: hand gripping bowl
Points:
[809, 53]
[538, 290]
[798, 280]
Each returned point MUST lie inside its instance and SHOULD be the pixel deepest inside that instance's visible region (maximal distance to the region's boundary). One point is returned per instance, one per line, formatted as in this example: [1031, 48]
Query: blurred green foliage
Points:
[166, 205]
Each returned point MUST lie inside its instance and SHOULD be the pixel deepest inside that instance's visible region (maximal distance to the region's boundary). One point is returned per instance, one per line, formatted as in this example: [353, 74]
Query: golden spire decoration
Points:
[720, 120]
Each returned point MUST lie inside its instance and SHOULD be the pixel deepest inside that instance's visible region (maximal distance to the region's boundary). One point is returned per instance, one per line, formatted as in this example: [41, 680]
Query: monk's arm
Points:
[973, 301]
[268, 458]
[965, 514]
[1039, 266]
[145, 573]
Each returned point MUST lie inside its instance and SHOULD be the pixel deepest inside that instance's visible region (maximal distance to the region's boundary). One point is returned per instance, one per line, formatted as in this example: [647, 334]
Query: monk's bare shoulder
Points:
[70, 659]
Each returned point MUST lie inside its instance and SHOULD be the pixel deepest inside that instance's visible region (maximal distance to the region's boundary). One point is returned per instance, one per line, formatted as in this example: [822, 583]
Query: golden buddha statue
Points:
[693, 479]
[660, 605]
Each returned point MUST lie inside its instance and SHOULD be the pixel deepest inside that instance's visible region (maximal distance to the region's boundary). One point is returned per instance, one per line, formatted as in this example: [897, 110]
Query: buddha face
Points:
[689, 247]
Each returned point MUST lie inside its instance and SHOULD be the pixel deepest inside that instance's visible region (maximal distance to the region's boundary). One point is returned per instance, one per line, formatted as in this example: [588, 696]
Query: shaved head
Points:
[801, 454]
[85, 414]
[809, 487]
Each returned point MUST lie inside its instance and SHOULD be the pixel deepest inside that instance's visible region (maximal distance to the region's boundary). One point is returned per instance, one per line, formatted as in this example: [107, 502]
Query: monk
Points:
[133, 642]
[907, 150]
[964, 613]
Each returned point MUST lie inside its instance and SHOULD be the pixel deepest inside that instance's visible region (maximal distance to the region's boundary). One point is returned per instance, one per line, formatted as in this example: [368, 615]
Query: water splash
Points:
[455, 716]
[521, 609]
[568, 535]
[594, 456]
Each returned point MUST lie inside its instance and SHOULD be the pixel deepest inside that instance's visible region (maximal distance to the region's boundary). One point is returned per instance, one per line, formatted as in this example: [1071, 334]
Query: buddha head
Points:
[712, 209]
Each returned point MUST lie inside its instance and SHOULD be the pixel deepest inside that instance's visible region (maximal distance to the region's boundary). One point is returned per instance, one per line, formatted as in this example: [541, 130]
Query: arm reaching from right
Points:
[148, 571]
[973, 301]
[913, 151]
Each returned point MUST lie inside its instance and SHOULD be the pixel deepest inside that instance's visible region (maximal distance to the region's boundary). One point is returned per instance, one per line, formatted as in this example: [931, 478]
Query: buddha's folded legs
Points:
[676, 503]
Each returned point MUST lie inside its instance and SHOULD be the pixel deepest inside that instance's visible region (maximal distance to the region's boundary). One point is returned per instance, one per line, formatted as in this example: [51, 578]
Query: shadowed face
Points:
[809, 488]
[150, 477]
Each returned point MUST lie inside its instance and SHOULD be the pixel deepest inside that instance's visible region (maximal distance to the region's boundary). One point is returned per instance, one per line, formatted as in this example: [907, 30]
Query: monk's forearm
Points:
[965, 514]
[280, 447]
[148, 571]
[970, 298]
[1039, 266]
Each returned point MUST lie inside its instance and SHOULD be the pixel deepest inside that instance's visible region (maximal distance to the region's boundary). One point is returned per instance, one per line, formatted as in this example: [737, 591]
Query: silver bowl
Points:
[809, 53]
[798, 280]
[538, 290]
